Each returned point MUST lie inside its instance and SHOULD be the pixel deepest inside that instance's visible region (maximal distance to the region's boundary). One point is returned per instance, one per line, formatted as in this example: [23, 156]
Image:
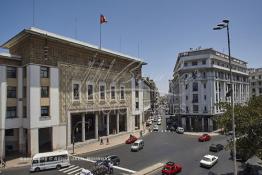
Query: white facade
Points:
[255, 78]
[201, 80]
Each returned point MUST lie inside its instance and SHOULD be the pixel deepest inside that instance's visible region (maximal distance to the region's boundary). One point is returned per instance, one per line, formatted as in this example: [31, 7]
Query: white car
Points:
[85, 172]
[208, 161]
[155, 128]
[159, 122]
[180, 130]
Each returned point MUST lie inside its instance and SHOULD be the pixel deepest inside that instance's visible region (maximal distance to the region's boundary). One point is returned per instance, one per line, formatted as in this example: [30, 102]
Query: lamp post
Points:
[220, 26]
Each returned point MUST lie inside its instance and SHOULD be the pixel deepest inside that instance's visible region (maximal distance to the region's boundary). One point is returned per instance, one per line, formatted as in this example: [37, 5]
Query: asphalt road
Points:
[159, 147]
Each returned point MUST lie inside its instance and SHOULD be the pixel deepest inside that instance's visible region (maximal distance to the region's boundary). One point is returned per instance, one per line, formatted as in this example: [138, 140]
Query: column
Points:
[107, 124]
[117, 122]
[183, 119]
[190, 124]
[21, 140]
[203, 124]
[96, 125]
[83, 128]
[2, 109]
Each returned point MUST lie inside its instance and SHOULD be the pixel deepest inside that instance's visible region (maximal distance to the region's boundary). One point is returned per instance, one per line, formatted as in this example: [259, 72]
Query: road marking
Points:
[63, 169]
[75, 171]
[70, 169]
[116, 167]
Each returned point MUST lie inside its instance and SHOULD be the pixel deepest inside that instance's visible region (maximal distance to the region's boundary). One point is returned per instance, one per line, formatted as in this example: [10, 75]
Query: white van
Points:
[139, 144]
[49, 160]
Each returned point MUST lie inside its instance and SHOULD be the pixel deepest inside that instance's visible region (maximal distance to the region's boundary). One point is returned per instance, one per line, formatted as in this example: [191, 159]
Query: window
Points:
[212, 62]
[9, 132]
[186, 86]
[44, 111]
[195, 98]
[44, 72]
[204, 74]
[260, 83]
[253, 77]
[11, 72]
[253, 90]
[90, 91]
[203, 62]
[195, 86]
[24, 112]
[186, 97]
[11, 112]
[137, 105]
[260, 90]
[195, 108]
[185, 64]
[122, 92]
[137, 94]
[44, 91]
[113, 92]
[187, 109]
[259, 76]
[194, 63]
[102, 92]
[136, 82]
[76, 88]
[11, 92]
[186, 76]
[205, 85]
[205, 97]
[253, 83]
[205, 109]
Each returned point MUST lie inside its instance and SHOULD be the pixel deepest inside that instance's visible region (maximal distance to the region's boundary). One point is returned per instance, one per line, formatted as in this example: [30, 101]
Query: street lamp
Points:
[220, 26]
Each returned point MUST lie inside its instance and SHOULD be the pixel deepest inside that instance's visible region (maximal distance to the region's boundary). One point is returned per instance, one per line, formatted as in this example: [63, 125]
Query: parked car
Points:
[204, 137]
[180, 130]
[131, 139]
[85, 172]
[172, 128]
[159, 122]
[155, 119]
[171, 168]
[114, 159]
[208, 161]
[216, 147]
[139, 144]
[155, 128]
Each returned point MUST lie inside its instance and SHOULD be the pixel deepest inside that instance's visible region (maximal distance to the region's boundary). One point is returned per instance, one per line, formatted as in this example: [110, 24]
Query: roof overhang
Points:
[35, 31]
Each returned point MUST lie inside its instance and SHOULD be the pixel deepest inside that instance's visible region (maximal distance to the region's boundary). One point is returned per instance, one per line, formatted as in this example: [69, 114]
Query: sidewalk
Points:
[80, 148]
[214, 133]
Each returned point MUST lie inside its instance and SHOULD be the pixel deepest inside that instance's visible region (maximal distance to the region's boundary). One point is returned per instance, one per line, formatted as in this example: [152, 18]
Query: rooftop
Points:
[200, 51]
[36, 31]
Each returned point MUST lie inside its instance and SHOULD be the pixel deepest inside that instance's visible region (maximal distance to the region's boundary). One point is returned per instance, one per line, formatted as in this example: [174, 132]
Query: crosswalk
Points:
[163, 130]
[71, 170]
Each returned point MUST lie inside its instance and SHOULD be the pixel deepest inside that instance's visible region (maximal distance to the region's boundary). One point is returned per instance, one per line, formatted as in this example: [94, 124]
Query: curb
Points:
[150, 169]
[201, 133]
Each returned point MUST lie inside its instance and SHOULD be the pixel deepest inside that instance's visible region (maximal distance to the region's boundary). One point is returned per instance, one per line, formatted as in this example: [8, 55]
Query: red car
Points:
[204, 137]
[171, 168]
[131, 139]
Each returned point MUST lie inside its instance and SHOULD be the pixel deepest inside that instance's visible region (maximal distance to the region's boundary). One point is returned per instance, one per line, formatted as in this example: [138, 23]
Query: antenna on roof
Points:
[33, 13]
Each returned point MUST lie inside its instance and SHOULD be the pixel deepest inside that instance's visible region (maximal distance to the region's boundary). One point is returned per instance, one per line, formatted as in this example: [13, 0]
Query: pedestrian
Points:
[141, 133]
[110, 167]
[101, 141]
[107, 140]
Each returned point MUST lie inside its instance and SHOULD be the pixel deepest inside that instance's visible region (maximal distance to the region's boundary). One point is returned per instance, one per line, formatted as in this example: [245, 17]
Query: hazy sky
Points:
[155, 30]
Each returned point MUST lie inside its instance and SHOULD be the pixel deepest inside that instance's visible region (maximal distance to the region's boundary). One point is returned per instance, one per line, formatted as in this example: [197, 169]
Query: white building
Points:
[255, 79]
[200, 81]
[55, 90]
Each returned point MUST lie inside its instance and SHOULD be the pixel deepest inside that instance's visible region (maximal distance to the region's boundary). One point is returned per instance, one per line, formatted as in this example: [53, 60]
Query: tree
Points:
[248, 121]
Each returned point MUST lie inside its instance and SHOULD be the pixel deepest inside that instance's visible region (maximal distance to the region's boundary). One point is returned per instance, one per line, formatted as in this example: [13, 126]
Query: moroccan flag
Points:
[102, 19]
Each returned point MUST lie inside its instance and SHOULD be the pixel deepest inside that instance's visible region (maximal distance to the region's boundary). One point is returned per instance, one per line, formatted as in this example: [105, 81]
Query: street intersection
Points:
[160, 146]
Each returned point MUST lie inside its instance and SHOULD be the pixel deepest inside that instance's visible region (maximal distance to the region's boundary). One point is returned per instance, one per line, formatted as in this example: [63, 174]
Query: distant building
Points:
[55, 90]
[200, 81]
[255, 78]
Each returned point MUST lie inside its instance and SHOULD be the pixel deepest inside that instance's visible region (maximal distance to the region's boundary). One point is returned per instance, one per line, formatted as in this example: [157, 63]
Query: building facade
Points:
[255, 78]
[200, 81]
[55, 91]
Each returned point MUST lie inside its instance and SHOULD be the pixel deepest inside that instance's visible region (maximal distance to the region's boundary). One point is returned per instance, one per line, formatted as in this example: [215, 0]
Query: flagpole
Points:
[100, 33]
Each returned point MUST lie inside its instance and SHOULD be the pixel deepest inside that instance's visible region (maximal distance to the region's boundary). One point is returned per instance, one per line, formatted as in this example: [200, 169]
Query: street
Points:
[161, 146]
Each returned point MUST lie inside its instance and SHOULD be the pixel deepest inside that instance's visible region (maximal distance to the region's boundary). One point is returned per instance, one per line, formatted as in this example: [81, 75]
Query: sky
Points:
[153, 30]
